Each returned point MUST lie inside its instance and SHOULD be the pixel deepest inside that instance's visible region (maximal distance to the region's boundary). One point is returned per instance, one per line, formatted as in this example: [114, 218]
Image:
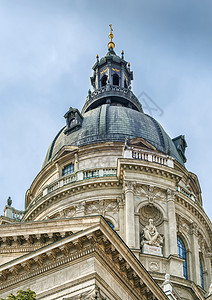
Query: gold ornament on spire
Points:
[111, 43]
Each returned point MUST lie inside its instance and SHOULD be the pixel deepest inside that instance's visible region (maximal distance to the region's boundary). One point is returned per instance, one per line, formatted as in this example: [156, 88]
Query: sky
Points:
[48, 48]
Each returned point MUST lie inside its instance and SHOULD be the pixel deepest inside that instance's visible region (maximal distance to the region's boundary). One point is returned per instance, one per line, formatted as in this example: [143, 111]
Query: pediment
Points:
[71, 253]
[65, 150]
[142, 143]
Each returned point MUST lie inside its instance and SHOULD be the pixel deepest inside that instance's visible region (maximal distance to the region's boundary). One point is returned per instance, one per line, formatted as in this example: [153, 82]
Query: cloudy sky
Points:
[47, 49]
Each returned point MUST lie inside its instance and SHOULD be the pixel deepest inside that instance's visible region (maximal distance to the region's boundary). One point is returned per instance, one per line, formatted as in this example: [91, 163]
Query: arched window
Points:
[111, 224]
[182, 254]
[201, 272]
[68, 169]
[104, 80]
[115, 79]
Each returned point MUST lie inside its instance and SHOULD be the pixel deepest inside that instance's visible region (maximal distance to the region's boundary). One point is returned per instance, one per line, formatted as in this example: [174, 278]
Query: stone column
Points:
[76, 162]
[98, 85]
[59, 171]
[166, 241]
[195, 263]
[172, 223]
[121, 216]
[129, 213]
[110, 74]
[137, 232]
[122, 76]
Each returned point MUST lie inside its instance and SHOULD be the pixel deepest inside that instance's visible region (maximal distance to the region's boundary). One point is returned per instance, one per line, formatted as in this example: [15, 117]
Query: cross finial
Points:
[111, 43]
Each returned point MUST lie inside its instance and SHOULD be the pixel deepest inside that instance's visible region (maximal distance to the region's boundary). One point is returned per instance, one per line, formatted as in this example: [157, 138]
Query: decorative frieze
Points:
[150, 193]
[182, 225]
[64, 213]
[101, 206]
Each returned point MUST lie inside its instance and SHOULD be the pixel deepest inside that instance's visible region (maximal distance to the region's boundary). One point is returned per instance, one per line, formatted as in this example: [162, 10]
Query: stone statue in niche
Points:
[151, 236]
[151, 240]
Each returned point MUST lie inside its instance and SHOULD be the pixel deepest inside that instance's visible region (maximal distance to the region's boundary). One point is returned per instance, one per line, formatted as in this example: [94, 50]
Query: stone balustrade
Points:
[186, 192]
[150, 156]
[74, 177]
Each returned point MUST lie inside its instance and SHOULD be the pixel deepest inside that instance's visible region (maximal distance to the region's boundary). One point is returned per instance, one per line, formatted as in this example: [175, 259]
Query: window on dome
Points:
[68, 169]
[115, 79]
[72, 122]
[104, 80]
[182, 254]
[201, 272]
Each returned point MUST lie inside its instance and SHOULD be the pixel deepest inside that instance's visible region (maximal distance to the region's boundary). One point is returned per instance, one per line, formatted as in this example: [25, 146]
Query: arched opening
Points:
[68, 169]
[104, 80]
[125, 83]
[115, 79]
[182, 254]
[201, 272]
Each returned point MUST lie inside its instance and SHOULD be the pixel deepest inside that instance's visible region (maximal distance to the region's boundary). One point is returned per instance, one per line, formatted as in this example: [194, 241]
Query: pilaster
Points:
[137, 231]
[172, 236]
[195, 274]
[129, 213]
[121, 217]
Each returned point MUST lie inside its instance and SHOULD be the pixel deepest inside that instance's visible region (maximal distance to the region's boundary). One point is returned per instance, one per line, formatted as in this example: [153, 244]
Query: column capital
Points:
[129, 186]
[170, 194]
[194, 229]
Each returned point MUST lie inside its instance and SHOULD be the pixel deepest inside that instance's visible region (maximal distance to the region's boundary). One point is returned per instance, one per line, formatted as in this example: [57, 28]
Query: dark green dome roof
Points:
[107, 123]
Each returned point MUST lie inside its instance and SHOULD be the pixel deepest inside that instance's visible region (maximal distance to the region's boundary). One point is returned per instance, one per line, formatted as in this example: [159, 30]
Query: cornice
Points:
[147, 167]
[69, 190]
[30, 235]
[29, 242]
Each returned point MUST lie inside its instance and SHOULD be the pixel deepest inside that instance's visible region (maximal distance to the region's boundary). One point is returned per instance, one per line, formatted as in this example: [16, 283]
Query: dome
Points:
[109, 123]
[112, 113]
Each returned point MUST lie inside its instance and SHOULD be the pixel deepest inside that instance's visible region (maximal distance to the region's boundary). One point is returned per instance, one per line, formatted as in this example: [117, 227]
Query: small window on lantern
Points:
[104, 80]
[115, 79]
[125, 83]
[68, 169]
